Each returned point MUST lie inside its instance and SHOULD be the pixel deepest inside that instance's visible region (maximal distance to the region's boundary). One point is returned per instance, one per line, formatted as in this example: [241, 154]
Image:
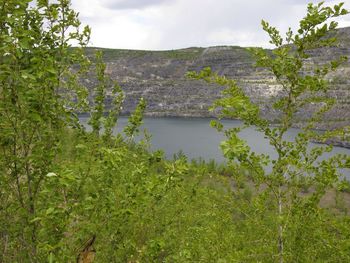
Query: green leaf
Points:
[50, 210]
[36, 219]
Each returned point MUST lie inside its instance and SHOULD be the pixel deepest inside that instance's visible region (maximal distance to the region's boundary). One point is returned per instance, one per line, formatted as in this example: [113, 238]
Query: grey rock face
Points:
[159, 77]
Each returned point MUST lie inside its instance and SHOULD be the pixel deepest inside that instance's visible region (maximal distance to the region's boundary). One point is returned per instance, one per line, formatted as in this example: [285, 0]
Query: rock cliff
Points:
[159, 77]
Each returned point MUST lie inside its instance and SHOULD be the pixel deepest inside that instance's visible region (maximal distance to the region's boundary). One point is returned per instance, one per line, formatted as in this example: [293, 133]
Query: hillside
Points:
[159, 77]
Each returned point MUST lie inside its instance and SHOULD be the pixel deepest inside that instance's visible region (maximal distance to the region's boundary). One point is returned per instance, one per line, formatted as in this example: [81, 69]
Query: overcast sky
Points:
[173, 24]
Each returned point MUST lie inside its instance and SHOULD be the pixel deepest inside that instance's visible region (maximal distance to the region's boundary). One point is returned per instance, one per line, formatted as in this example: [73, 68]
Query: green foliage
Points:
[35, 65]
[60, 185]
[98, 110]
[135, 120]
[114, 112]
[286, 182]
[100, 94]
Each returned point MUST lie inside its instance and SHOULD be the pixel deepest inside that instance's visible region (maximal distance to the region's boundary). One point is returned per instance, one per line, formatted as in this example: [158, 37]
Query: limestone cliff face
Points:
[159, 77]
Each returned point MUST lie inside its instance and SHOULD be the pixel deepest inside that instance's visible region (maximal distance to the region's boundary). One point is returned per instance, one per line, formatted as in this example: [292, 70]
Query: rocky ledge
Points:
[159, 77]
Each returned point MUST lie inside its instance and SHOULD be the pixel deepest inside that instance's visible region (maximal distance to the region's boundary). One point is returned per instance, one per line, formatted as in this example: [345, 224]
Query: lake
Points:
[196, 139]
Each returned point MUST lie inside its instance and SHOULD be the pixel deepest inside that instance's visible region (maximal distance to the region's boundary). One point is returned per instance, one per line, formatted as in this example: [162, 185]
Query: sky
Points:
[174, 24]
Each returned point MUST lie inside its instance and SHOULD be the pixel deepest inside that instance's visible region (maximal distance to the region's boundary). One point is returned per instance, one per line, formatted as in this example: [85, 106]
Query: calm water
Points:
[195, 137]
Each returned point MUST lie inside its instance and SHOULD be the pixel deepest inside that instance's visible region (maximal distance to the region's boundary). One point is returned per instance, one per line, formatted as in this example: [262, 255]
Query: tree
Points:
[97, 119]
[36, 61]
[295, 165]
[135, 120]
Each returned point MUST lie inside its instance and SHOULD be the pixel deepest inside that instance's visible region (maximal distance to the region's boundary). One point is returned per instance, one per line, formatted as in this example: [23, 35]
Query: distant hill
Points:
[159, 77]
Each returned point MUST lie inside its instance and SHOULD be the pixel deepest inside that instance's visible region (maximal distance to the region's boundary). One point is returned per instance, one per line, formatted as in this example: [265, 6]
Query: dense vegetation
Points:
[61, 185]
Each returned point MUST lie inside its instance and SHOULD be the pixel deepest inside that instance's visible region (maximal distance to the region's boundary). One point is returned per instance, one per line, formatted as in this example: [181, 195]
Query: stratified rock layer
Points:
[159, 77]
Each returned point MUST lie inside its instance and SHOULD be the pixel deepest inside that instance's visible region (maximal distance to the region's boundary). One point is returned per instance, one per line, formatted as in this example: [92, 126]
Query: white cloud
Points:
[132, 4]
[170, 24]
[228, 37]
